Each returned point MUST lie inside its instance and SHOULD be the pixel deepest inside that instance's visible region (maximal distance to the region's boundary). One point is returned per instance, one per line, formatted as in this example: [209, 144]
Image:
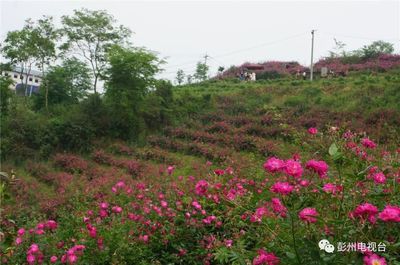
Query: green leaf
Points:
[333, 149]
[290, 255]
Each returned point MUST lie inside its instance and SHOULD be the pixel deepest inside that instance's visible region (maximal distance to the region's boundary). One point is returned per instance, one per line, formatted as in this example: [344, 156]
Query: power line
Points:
[240, 50]
[358, 37]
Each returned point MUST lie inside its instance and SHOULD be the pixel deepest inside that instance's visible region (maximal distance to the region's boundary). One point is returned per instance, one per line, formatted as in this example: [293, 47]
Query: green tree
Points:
[67, 84]
[20, 48]
[44, 37]
[201, 71]
[189, 79]
[92, 33]
[5, 91]
[180, 76]
[130, 75]
[375, 49]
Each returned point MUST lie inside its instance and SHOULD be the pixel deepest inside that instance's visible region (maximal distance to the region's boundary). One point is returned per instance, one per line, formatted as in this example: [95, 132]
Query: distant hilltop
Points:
[335, 65]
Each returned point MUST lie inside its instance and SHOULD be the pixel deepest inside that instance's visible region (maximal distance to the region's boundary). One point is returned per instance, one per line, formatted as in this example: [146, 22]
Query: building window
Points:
[6, 74]
[36, 80]
[21, 77]
[15, 76]
[30, 79]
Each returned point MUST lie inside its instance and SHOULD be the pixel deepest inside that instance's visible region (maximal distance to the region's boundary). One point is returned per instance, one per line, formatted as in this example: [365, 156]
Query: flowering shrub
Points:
[232, 190]
[70, 162]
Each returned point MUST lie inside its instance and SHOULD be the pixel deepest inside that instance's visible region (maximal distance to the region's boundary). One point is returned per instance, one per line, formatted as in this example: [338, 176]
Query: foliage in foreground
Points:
[220, 217]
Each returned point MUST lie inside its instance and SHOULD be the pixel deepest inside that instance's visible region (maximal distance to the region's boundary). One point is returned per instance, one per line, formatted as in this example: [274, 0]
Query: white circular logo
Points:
[323, 243]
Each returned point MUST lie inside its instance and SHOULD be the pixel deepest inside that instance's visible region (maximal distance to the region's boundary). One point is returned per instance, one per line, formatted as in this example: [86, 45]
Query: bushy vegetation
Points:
[216, 172]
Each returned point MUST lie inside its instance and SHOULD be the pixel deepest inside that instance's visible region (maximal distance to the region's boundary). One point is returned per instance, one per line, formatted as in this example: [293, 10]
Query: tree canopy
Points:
[90, 34]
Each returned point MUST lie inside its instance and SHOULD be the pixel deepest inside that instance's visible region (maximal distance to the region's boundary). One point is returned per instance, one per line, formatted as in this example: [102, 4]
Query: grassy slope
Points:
[292, 105]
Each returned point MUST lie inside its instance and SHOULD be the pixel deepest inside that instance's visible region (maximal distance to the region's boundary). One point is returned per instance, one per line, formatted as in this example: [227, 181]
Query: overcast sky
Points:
[231, 32]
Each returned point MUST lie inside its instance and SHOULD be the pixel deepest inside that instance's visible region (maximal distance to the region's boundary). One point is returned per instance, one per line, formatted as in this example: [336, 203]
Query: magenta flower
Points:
[53, 259]
[18, 241]
[265, 258]
[320, 167]
[293, 168]
[219, 172]
[374, 260]
[379, 178]
[366, 211]
[274, 164]
[170, 169]
[201, 187]
[116, 209]
[104, 205]
[391, 213]
[366, 142]
[51, 224]
[21, 232]
[30, 259]
[33, 248]
[283, 188]
[308, 215]
[332, 188]
[278, 207]
[312, 131]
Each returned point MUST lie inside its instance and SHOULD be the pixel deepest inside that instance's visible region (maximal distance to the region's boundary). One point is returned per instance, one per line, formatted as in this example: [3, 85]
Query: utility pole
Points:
[205, 58]
[312, 55]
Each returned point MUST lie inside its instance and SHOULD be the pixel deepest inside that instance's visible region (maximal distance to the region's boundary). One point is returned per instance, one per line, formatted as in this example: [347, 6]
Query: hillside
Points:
[249, 172]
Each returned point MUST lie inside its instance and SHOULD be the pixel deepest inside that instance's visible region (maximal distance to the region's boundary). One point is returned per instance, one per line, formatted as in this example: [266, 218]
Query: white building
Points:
[33, 80]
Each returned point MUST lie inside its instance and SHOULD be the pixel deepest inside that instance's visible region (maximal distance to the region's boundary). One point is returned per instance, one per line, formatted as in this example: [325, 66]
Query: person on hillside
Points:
[304, 75]
[298, 74]
[253, 76]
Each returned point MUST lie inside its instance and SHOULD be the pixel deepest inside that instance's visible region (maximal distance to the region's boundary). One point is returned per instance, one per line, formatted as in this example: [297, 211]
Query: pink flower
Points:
[312, 131]
[92, 230]
[391, 213]
[366, 211]
[39, 232]
[283, 188]
[72, 259]
[53, 259]
[278, 207]
[274, 164]
[164, 204]
[51, 224]
[144, 238]
[265, 258]
[308, 215]
[116, 209]
[120, 184]
[320, 167]
[258, 215]
[219, 172]
[332, 188]
[103, 213]
[228, 243]
[374, 260]
[30, 259]
[196, 205]
[379, 178]
[104, 205]
[18, 241]
[368, 143]
[21, 231]
[201, 187]
[170, 169]
[33, 248]
[209, 219]
[293, 168]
